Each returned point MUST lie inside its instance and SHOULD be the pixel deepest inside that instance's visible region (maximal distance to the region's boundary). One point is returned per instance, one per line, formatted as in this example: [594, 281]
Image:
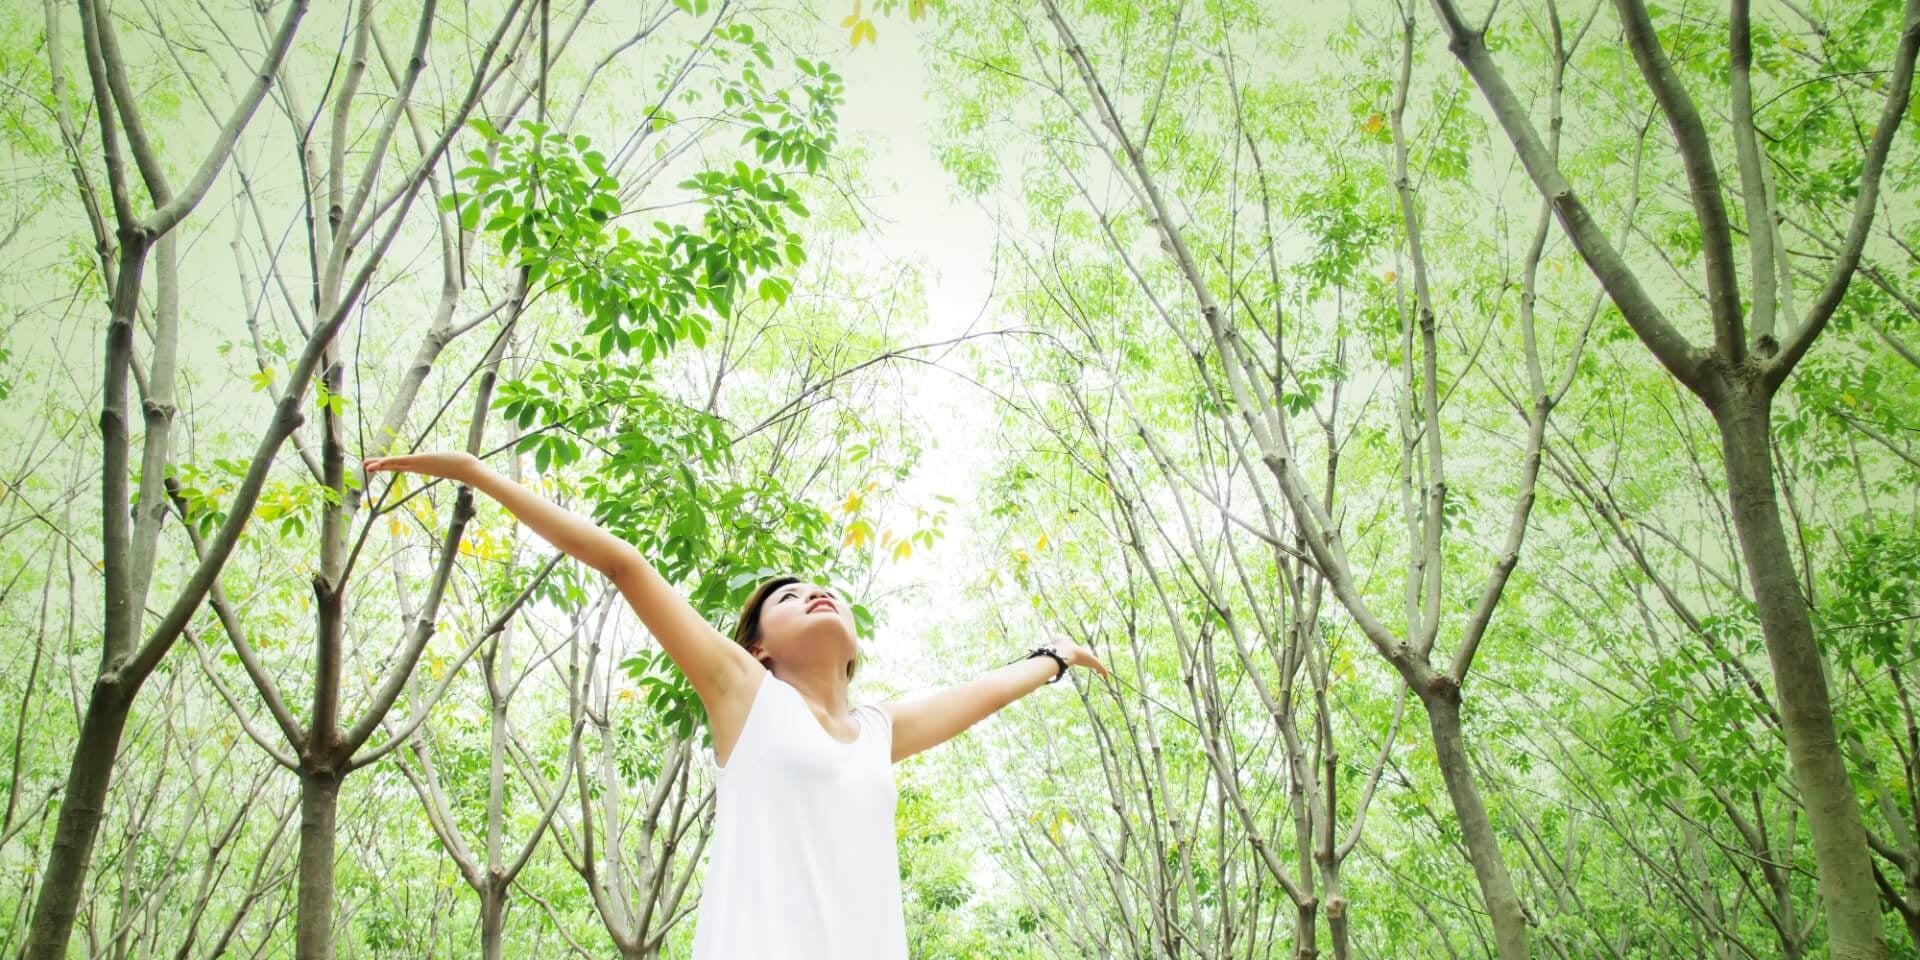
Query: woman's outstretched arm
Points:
[931, 720]
[716, 666]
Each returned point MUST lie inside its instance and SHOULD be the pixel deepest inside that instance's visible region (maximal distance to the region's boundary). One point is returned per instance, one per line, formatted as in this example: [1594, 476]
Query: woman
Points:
[804, 851]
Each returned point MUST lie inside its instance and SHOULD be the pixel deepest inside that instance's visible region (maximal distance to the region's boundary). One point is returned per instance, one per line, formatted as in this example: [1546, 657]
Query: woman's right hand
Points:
[453, 466]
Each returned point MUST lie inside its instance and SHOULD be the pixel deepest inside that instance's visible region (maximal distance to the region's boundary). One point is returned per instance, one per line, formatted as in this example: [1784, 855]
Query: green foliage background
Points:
[722, 359]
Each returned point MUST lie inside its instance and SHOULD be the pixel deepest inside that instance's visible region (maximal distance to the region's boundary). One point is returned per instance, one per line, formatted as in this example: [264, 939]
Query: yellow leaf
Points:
[1373, 123]
[1390, 276]
[852, 503]
[857, 534]
[871, 486]
[394, 526]
[852, 18]
[902, 550]
[1040, 544]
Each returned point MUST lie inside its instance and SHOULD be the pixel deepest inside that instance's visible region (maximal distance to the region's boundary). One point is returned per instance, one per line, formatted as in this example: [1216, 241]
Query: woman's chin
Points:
[827, 645]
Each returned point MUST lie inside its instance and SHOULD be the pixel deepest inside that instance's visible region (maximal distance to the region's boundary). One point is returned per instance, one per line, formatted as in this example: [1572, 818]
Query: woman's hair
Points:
[746, 632]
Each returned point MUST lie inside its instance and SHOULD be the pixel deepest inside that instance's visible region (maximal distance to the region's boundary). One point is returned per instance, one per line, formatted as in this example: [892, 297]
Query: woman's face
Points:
[804, 622]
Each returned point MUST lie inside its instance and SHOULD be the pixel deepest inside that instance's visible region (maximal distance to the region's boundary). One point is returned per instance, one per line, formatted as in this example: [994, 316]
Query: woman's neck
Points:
[824, 685]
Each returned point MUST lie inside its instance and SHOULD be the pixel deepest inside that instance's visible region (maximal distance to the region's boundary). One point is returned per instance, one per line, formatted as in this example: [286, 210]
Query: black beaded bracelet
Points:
[1046, 651]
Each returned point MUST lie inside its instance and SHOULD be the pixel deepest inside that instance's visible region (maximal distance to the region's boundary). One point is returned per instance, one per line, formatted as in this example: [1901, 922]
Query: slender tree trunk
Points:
[319, 802]
[84, 800]
[493, 917]
[493, 890]
[81, 807]
[1483, 848]
[1800, 682]
[1336, 911]
[1304, 945]
[1305, 942]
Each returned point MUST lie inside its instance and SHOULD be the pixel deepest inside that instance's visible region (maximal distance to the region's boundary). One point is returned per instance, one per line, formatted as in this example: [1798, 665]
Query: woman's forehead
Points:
[803, 586]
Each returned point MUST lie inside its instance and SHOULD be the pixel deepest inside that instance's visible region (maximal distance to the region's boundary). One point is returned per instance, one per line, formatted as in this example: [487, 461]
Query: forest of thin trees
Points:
[1482, 438]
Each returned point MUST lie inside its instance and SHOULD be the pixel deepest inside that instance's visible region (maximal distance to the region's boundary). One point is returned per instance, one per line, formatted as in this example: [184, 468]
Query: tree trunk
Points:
[1799, 676]
[319, 801]
[1483, 848]
[1305, 941]
[493, 917]
[1305, 947]
[1336, 912]
[82, 806]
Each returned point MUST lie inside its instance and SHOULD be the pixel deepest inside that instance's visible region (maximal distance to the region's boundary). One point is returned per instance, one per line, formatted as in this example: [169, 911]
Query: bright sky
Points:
[923, 220]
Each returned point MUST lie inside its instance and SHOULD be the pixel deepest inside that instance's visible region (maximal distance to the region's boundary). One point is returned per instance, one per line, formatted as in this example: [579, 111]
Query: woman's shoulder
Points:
[877, 711]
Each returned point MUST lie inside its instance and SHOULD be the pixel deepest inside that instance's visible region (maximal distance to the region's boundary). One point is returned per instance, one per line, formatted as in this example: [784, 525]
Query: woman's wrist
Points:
[472, 471]
[1049, 657]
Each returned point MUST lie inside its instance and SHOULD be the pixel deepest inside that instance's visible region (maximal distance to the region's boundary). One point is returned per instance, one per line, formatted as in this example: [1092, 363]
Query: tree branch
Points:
[1703, 177]
[1867, 198]
[1669, 346]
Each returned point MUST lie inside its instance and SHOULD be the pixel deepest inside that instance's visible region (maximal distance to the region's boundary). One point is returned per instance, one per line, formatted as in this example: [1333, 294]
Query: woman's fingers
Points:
[449, 465]
[1083, 657]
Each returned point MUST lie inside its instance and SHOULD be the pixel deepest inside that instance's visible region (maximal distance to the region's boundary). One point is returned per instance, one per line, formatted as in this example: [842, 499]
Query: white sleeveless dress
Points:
[805, 863]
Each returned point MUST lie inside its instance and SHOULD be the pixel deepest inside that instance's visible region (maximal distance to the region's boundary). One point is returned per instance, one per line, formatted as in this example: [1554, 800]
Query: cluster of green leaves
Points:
[664, 477]
[292, 503]
[553, 206]
[1713, 727]
[1867, 624]
[1876, 597]
[781, 128]
[205, 492]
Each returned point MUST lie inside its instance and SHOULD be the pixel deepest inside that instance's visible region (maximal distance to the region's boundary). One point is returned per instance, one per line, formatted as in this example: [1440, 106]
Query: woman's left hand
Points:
[1079, 656]
[456, 466]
